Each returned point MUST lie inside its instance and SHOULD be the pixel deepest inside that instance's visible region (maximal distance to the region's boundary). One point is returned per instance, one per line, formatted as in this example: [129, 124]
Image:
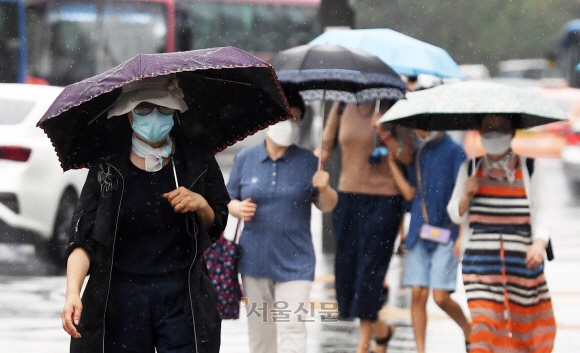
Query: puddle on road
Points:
[342, 337]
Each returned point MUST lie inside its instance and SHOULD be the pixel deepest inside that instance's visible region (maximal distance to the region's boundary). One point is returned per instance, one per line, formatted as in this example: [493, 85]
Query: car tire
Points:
[62, 223]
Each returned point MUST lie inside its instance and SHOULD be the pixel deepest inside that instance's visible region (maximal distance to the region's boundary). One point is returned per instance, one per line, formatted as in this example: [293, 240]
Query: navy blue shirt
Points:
[439, 163]
[277, 243]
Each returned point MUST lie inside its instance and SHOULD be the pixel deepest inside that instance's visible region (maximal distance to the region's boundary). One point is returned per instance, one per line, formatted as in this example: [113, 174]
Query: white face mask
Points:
[284, 133]
[496, 143]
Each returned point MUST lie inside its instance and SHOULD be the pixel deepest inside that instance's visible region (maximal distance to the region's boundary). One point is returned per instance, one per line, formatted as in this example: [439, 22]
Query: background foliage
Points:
[475, 31]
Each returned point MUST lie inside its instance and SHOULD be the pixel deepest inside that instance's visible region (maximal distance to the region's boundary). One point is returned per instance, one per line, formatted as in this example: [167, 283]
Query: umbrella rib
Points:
[101, 113]
[224, 80]
[301, 68]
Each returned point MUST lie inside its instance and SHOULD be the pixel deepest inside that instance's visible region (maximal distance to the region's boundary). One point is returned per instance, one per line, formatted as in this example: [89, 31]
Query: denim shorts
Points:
[435, 269]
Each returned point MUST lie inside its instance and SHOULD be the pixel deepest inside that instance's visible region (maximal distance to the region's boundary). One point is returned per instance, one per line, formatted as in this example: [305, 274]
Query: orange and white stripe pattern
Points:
[510, 304]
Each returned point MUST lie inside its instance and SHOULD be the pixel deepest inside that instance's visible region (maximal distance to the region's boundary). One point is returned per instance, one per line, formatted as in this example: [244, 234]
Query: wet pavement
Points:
[32, 294]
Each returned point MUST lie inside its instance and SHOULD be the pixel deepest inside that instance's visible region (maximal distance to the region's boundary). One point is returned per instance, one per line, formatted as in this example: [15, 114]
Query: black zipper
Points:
[191, 266]
[113, 252]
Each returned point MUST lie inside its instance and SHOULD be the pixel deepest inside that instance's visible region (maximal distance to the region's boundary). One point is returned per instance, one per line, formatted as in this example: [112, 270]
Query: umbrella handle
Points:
[323, 107]
[175, 174]
[377, 109]
[474, 149]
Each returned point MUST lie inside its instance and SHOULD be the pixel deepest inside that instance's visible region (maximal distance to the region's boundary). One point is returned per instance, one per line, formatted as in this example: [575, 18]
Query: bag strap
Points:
[420, 186]
[237, 234]
[477, 163]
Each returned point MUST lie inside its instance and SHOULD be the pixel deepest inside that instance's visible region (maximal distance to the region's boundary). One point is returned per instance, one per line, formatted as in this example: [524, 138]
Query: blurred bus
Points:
[76, 39]
[261, 27]
[12, 42]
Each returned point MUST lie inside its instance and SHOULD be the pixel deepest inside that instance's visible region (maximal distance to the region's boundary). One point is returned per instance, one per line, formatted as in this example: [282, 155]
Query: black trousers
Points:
[366, 227]
[148, 317]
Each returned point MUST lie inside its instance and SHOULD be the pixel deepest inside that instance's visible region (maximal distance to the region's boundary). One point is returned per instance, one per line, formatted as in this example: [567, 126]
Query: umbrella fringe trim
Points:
[250, 133]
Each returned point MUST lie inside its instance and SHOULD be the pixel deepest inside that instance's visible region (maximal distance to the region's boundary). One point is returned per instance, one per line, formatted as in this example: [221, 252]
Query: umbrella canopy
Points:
[230, 94]
[406, 55]
[462, 106]
[337, 73]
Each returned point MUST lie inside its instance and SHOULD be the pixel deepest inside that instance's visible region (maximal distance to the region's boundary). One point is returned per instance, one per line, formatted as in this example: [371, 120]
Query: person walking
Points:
[366, 219]
[503, 270]
[140, 237]
[431, 263]
[272, 186]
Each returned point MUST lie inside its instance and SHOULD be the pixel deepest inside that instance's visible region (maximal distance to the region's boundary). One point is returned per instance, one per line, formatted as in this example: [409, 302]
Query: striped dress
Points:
[510, 304]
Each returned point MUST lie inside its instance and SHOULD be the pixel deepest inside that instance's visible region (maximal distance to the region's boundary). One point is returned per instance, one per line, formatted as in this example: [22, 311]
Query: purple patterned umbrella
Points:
[230, 93]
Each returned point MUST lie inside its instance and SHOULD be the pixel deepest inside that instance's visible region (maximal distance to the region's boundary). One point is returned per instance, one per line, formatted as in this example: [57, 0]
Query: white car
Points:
[37, 199]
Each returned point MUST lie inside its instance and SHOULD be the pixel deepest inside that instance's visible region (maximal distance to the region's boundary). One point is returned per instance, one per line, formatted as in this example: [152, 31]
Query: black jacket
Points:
[94, 226]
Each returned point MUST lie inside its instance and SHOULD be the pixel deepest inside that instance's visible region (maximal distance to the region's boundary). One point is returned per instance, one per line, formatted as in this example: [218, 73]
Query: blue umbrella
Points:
[406, 55]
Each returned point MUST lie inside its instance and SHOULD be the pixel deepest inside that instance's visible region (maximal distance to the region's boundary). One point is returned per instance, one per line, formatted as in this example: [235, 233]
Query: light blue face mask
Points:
[153, 127]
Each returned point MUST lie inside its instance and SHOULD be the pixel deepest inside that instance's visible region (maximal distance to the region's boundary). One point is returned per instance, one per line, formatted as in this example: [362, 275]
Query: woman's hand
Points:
[243, 210]
[321, 180]
[471, 186]
[535, 254]
[71, 314]
[184, 200]
[77, 267]
[328, 197]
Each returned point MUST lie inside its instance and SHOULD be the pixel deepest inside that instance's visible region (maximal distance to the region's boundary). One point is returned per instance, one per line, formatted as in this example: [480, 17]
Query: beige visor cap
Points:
[163, 91]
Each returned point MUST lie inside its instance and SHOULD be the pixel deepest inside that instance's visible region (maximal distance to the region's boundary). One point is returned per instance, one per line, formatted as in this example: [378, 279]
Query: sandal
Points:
[384, 340]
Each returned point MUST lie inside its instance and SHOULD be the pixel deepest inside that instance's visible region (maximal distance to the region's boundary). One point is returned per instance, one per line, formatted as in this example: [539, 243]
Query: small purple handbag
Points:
[436, 234]
[222, 263]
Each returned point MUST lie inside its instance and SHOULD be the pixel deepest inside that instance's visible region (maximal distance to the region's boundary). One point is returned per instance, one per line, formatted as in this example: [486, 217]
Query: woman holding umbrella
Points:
[503, 268]
[154, 199]
[149, 305]
[367, 217]
[432, 261]
[273, 186]
[499, 196]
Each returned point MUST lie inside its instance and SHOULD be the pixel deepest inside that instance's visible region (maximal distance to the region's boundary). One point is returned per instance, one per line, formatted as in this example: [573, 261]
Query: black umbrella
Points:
[331, 72]
[337, 73]
[230, 93]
